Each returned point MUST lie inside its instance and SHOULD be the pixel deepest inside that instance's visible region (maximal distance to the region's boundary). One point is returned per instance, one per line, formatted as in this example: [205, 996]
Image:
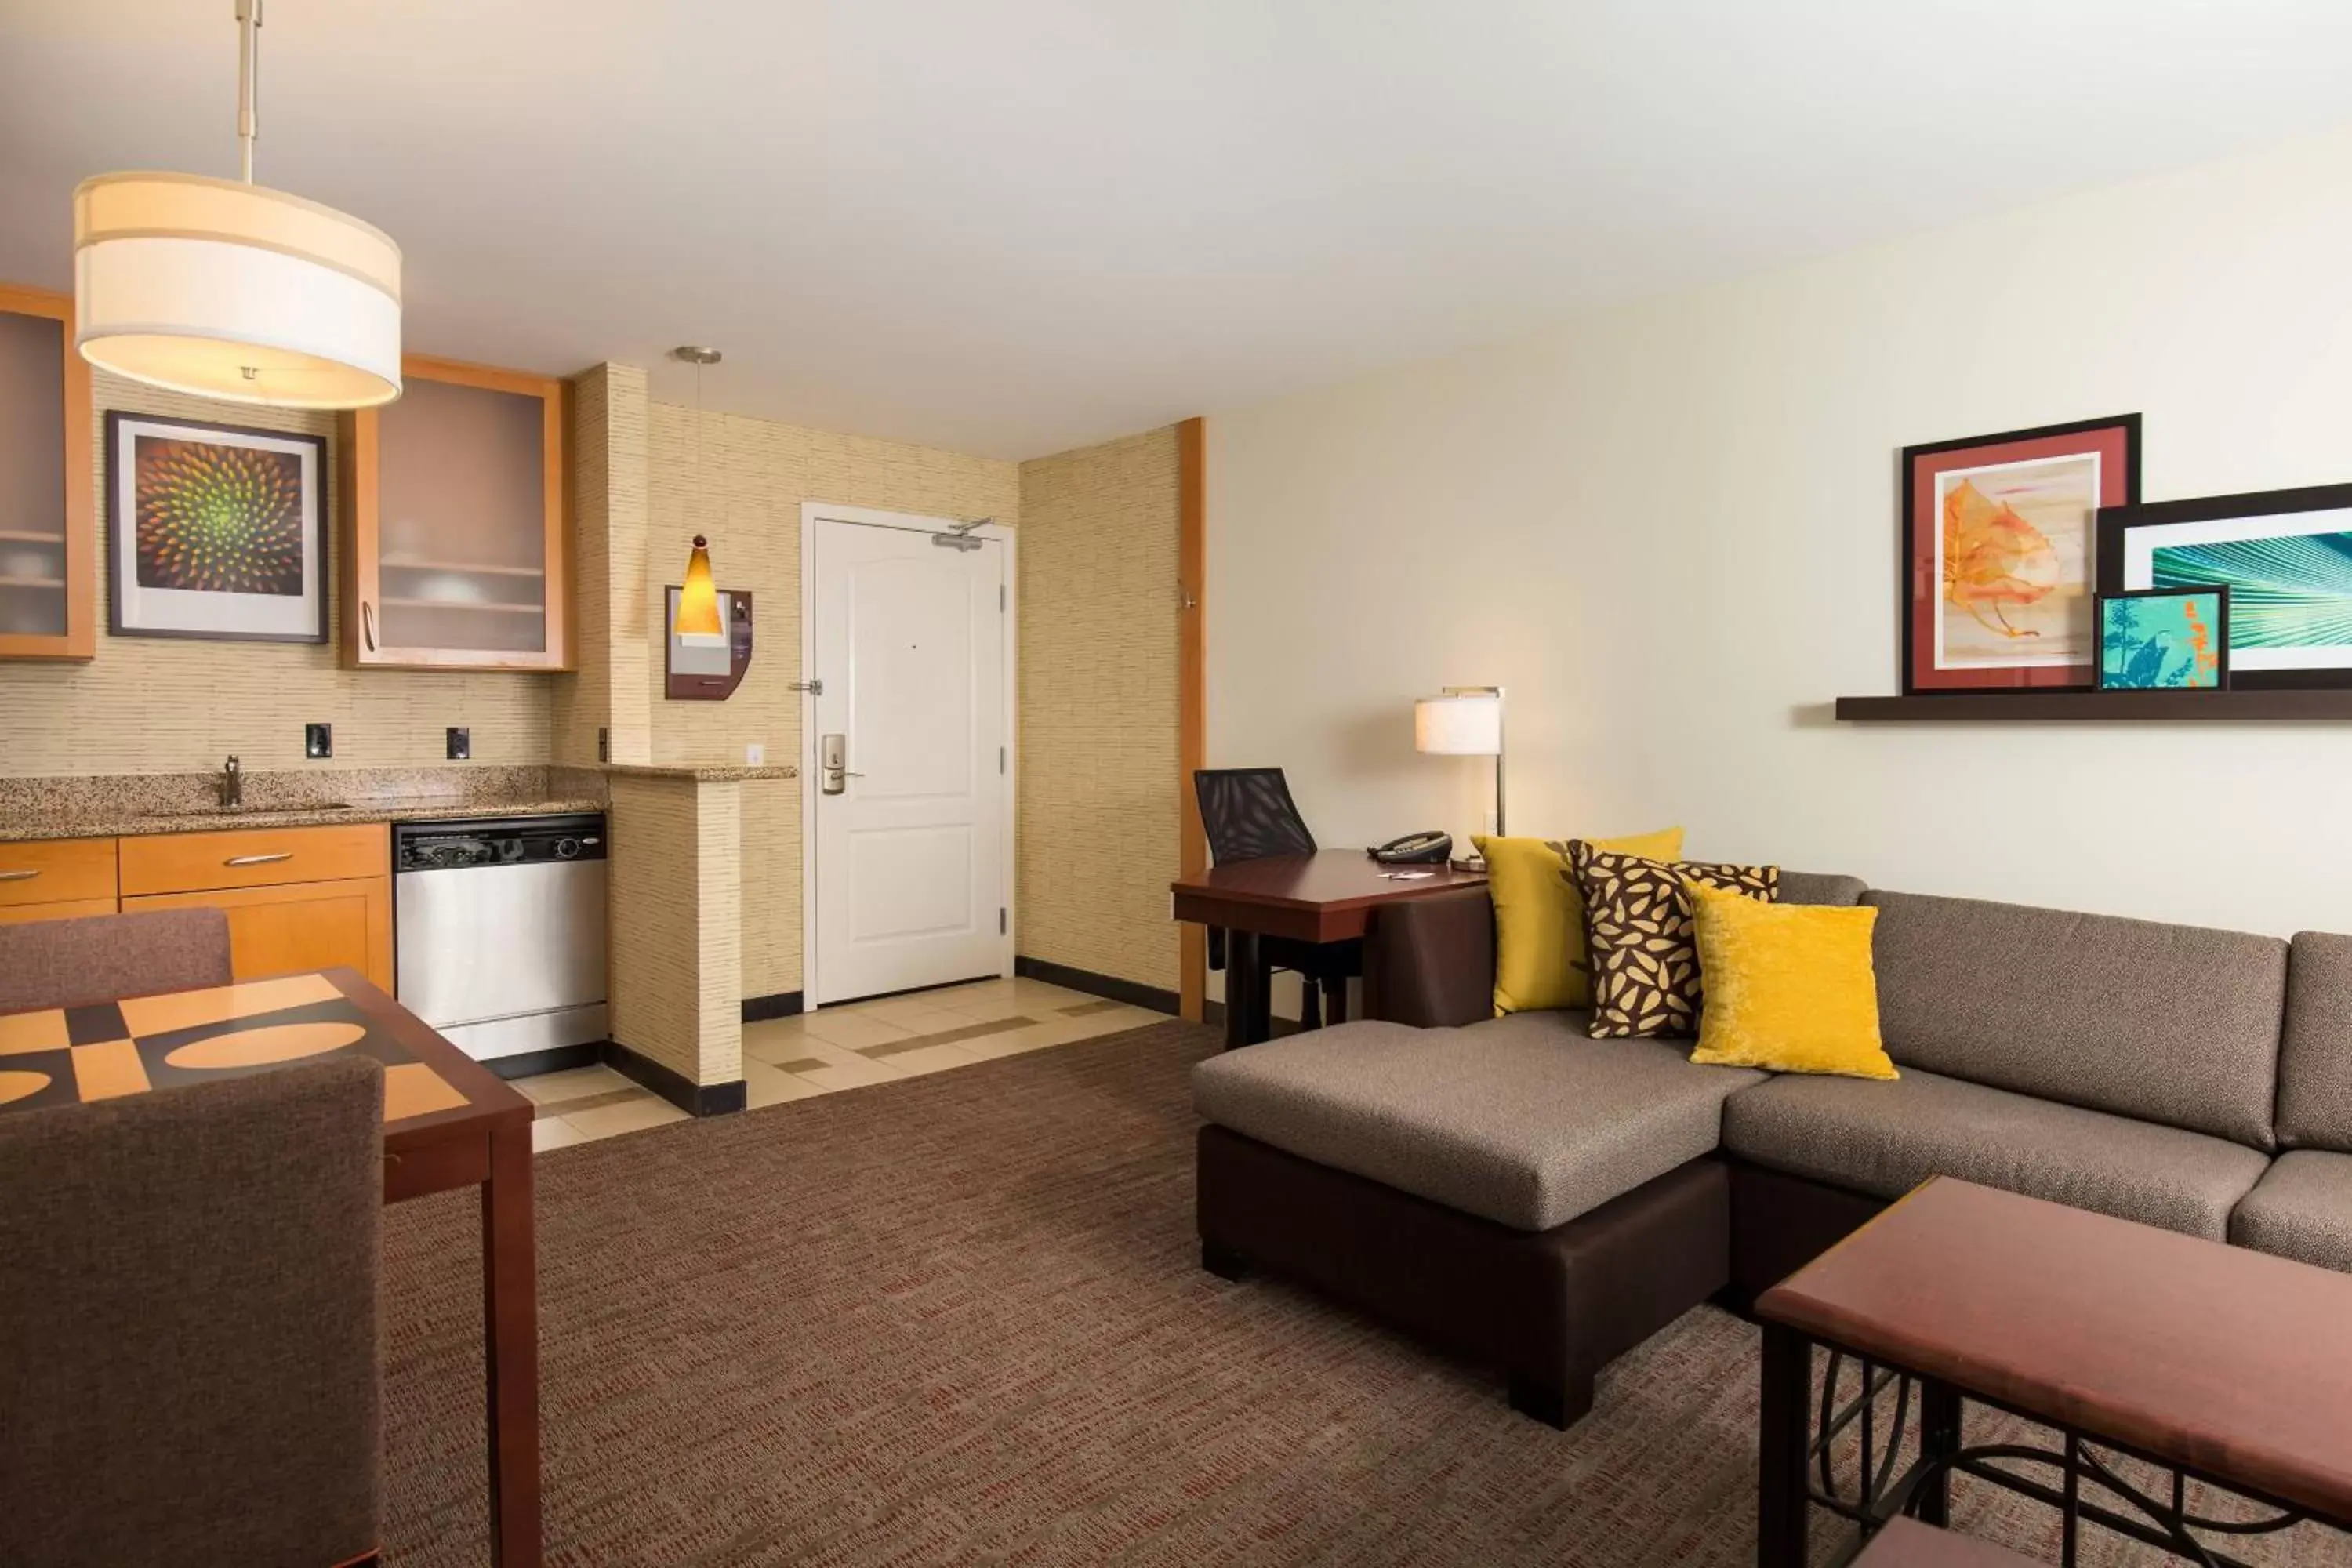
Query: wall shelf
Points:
[2301, 706]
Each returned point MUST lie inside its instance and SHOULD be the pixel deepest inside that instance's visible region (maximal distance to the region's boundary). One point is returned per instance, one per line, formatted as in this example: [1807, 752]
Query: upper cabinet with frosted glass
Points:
[454, 544]
[49, 568]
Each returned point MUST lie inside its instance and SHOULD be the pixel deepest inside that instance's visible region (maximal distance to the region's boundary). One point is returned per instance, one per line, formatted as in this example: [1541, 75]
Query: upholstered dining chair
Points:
[64, 963]
[1248, 814]
[188, 1357]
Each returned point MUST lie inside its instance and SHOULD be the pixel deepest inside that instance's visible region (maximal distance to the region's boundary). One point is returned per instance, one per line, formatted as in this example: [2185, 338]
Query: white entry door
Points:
[908, 855]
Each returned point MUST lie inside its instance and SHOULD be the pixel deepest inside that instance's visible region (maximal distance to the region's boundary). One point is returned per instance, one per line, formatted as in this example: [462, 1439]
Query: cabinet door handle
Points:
[367, 624]
[258, 859]
[20, 876]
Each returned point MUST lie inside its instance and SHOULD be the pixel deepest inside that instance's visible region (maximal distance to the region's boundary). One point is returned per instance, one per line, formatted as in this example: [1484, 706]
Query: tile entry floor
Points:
[849, 1046]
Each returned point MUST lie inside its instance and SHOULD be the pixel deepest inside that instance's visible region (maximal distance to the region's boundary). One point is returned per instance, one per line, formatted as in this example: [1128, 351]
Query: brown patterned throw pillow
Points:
[1638, 926]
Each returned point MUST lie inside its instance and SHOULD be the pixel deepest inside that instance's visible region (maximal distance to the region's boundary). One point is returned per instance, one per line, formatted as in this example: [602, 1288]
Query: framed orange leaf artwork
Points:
[2000, 554]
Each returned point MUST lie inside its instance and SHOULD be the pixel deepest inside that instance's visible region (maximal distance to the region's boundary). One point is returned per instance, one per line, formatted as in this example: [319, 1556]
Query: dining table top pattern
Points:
[67, 1056]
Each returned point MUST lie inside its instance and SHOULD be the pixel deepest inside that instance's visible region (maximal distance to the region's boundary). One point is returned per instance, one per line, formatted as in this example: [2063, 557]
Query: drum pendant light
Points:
[229, 290]
[697, 597]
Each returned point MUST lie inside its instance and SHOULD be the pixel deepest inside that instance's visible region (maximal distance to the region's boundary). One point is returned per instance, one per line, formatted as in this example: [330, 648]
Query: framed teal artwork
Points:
[2164, 639]
[2284, 555]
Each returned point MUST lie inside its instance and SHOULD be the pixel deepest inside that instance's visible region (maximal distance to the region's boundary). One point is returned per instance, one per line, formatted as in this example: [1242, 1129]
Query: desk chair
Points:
[188, 1322]
[1248, 814]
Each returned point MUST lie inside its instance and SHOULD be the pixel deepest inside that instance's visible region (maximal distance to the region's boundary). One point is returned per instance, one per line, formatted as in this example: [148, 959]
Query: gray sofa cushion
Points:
[2300, 1209]
[1884, 1139]
[1821, 888]
[2164, 1023]
[1521, 1119]
[2315, 1092]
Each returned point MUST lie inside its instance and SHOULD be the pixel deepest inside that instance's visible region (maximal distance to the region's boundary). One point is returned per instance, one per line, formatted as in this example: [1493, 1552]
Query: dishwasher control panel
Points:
[513, 841]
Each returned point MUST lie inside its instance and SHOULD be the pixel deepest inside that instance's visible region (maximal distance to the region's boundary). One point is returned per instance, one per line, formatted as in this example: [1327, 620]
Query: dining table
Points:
[449, 1123]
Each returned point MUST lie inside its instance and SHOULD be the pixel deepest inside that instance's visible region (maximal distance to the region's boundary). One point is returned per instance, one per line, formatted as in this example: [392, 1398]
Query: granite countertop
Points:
[18, 829]
[701, 772]
[119, 806]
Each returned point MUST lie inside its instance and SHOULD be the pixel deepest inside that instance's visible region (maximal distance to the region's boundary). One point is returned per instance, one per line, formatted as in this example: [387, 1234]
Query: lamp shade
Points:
[697, 598]
[235, 292]
[1458, 726]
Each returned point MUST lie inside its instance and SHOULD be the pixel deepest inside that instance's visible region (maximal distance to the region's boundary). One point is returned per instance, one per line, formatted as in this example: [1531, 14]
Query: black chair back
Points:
[1248, 814]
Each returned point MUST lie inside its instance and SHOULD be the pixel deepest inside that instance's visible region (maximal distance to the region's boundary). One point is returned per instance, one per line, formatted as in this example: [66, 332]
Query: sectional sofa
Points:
[1546, 1201]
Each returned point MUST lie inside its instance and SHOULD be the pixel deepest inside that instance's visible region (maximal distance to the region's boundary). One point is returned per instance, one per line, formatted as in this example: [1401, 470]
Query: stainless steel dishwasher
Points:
[499, 931]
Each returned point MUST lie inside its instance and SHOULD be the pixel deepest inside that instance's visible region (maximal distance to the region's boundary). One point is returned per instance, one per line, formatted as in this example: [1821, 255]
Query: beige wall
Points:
[171, 704]
[1099, 786]
[608, 496]
[1670, 530]
[745, 497]
[677, 984]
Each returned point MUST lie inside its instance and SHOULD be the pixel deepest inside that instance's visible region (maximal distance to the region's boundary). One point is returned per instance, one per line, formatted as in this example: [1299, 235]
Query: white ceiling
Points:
[1012, 226]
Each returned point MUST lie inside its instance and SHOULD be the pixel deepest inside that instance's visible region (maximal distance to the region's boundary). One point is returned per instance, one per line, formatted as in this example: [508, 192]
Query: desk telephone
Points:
[1430, 848]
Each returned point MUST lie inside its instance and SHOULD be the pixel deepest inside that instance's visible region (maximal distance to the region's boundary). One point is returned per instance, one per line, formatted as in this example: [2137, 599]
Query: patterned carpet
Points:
[959, 1319]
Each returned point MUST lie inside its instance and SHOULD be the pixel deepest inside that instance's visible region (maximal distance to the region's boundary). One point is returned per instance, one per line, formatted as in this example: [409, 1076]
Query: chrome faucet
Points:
[232, 785]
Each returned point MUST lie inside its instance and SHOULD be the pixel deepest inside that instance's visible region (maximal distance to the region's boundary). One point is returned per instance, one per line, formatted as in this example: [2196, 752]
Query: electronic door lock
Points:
[832, 764]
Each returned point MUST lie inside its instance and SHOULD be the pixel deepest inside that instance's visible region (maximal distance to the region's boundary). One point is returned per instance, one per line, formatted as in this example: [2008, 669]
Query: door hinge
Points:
[999, 759]
[1001, 593]
[814, 687]
[1000, 927]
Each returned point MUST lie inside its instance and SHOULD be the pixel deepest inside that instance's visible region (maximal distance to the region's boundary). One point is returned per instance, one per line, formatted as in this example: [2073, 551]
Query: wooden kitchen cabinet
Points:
[456, 553]
[298, 899]
[48, 539]
[293, 928]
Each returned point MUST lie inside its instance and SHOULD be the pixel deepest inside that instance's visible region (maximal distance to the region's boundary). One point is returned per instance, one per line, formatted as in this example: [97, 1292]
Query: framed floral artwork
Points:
[215, 531]
[1997, 548]
[2284, 555]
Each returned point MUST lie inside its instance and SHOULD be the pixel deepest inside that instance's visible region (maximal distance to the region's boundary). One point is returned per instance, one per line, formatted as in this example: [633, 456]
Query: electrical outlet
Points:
[603, 744]
[317, 741]
[461, 743]
[755, 755]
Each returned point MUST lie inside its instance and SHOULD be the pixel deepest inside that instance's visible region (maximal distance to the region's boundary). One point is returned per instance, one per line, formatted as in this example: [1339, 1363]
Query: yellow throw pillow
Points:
[1789, 987]
[1539, 959]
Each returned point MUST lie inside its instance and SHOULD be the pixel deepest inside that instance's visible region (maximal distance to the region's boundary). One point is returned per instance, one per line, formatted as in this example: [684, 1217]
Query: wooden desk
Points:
[448, 1122]
[1329, 896]
[2216, 1362]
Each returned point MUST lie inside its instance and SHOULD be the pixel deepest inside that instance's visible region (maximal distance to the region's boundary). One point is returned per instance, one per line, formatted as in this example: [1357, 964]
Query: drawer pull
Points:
[20, 876]
[258, 859]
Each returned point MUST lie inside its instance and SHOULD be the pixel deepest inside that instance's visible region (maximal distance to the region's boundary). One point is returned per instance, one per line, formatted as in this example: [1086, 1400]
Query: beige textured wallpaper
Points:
[676, 965]
[158, 704]
[607, 484]
[1099, 800]
[745, 497]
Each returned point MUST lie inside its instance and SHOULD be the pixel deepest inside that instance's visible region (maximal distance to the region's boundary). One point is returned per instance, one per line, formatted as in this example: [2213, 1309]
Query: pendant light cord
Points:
[248, 66]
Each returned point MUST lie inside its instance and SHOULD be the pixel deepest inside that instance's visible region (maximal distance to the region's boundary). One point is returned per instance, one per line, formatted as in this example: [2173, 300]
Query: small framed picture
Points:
[1997, 553]
[2165, 639]
[215, 531]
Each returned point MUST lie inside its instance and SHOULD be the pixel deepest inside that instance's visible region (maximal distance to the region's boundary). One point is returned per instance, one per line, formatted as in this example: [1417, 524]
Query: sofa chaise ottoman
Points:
[1518, 1191]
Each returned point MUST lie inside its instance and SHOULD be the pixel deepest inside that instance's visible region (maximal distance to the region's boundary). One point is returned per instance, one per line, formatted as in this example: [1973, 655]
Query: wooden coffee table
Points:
[2220, 1363]
[448, 1122]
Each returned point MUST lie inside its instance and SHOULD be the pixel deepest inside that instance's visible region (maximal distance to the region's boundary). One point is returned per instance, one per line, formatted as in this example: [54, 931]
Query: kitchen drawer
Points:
[53, 870]
[253, 857]
[65, 909]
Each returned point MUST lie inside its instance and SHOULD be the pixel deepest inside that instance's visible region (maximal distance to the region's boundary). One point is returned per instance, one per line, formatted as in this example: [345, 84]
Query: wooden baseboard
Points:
[1110, 986]
[782, 1004]
[694, 1098]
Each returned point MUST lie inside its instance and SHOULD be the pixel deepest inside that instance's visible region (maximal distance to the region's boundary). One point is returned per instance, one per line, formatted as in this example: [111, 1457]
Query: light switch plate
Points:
[755, 755]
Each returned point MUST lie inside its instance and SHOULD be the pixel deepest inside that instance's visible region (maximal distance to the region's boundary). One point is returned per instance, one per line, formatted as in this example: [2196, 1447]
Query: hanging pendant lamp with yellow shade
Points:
[697, 598]
[232, 291]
